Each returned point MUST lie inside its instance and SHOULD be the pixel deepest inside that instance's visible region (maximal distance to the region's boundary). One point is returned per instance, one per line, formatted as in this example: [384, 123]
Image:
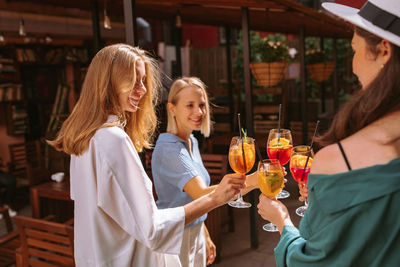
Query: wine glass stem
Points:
[306, 202]
[239, 199]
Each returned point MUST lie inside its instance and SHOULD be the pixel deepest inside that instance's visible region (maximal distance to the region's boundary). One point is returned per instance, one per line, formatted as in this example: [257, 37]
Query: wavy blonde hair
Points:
[113, 67]
[178, 86]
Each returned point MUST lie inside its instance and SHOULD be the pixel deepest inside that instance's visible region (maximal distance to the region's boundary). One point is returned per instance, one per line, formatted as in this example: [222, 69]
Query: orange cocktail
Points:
[242, 155]
[270, 178]
[236, 157]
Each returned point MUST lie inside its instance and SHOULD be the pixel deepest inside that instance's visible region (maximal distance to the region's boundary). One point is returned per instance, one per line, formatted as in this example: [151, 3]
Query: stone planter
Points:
[268, 74]
[320, 72]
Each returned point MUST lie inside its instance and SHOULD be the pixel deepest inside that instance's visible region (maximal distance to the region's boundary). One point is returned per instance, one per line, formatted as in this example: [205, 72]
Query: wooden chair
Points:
[44, 243]
[217, 166]
[27, 162]
[8, 242]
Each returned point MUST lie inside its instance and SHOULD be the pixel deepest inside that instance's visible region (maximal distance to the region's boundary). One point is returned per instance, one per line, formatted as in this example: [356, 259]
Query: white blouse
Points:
[117, 222]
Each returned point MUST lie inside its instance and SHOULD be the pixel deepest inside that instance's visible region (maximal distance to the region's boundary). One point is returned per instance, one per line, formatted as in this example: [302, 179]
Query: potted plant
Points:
[269, 58]
[319, 66]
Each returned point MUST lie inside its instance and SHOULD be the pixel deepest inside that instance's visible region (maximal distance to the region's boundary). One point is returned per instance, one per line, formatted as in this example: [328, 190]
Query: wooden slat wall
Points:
[210, 65]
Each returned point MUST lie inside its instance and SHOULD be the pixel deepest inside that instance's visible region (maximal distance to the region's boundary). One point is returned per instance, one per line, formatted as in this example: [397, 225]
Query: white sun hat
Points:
[380, 17]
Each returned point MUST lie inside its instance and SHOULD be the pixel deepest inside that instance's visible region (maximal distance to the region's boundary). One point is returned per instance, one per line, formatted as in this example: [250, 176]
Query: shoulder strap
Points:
[344, 155]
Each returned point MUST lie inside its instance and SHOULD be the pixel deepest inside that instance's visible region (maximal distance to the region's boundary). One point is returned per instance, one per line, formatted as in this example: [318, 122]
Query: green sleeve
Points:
[290, 240]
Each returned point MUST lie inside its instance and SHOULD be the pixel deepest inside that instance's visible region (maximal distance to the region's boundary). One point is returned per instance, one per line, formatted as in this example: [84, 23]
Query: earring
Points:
[382, 66]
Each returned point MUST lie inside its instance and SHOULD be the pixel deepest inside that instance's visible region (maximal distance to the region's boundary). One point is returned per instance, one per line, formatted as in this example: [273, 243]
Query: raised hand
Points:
[303, 190]
[229, 186]
[274, 211]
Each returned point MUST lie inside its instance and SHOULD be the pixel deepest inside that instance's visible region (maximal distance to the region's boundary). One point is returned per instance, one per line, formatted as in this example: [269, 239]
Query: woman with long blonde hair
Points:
[116, 220]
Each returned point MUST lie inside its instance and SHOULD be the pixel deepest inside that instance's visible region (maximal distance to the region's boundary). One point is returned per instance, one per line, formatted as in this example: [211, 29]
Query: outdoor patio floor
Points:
[235, 248]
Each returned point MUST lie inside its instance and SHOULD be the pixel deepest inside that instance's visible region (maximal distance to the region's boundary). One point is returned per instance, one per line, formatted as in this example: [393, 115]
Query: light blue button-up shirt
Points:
[172, 167]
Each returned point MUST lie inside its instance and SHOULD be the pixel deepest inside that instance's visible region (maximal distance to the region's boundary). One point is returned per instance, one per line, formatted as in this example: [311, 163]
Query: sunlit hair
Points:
[112, 69]
[173, 98]
[380, 97]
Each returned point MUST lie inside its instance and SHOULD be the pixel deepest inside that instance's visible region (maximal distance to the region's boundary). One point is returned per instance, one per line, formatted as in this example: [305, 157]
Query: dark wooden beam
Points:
[303, 77]
[224, 16]
[178, 43]
[130, 22]
[323, 88]
[96, 26]
[335, 79]
[249, 114]
[229, 75]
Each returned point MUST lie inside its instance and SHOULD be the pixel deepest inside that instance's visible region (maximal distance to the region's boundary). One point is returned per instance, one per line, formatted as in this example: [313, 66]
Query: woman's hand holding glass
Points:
[274, 211]
[303, 190]
[228, 188]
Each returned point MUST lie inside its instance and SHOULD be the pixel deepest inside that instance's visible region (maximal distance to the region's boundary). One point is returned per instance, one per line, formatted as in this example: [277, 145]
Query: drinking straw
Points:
[258, 151]
[308, 156]
[279, 122]
[240, 132]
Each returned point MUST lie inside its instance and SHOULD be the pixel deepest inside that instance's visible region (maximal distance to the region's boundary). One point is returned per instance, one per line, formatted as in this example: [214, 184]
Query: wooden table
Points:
[51, 191]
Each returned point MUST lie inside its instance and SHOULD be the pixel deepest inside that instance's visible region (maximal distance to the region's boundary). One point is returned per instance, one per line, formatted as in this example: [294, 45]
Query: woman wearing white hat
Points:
[354, 185]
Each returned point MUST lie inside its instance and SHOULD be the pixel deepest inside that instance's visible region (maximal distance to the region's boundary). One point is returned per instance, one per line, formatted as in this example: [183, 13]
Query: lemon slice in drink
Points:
[300, 161]
[282, 142]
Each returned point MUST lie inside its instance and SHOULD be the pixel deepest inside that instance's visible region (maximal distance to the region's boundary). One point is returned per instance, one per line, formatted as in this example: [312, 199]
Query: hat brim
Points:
[351, 15]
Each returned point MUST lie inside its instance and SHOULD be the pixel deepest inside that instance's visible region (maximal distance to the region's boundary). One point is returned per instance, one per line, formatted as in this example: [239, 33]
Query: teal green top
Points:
[353, 219]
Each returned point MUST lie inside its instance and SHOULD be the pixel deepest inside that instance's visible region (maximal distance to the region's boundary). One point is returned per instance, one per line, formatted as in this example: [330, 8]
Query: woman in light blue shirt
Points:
[178, 171]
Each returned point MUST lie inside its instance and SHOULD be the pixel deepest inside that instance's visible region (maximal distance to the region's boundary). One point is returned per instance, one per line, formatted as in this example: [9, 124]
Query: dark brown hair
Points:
[380, 97]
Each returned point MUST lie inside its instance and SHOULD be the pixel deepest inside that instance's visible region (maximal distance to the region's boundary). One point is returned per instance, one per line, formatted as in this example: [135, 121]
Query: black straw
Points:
[315, 132]
[308, 156]
[279, 122]
[258, 151]
[240, 127]
[241, 139]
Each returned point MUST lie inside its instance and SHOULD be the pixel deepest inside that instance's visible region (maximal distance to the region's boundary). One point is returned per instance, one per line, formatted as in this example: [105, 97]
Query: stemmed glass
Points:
[242, 156]
[300, 164]
[279, 146]
[270, 180]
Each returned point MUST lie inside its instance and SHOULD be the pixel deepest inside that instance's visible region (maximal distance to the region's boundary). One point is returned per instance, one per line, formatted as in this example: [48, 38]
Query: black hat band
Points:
[380, 18]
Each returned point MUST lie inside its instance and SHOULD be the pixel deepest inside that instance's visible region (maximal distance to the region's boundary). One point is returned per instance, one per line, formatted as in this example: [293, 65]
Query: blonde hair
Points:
[112, 67]
[178, 86]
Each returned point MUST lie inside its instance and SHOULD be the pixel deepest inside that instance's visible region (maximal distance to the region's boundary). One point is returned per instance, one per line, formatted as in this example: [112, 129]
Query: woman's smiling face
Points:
[190, 109]
[129, 98]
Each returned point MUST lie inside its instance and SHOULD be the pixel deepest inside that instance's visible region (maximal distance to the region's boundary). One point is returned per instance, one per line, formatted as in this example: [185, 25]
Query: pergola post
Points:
[249, 114]
[96, 26]
[131, 36]
[229, 75]
[178, 43]
[323, 88]
[335, 78]
[303, 78]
